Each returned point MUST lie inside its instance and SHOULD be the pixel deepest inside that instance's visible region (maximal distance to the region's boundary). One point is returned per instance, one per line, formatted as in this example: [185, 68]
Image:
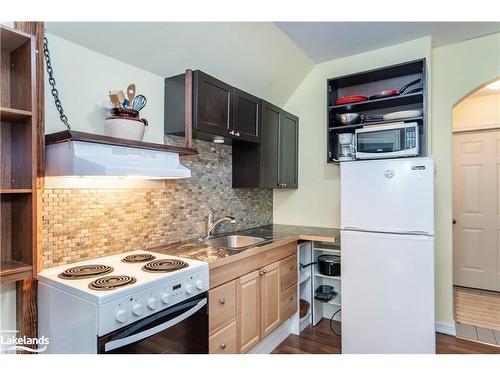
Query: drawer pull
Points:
[223, 346]
[222, 301]
[262, 272]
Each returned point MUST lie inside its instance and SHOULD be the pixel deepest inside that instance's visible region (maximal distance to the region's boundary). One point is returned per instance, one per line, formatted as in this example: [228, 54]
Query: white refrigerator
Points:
[387, 242]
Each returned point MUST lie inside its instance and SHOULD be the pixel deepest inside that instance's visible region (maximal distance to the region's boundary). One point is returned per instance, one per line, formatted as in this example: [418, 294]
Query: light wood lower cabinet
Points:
[270, 298]
[224, 341]
[249, 306]
[245, 310]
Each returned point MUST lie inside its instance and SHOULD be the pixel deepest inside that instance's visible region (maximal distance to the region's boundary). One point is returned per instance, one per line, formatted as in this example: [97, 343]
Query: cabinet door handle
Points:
[222, 301]
[223, 346]
[291, 298]
[237, 134]
[261, 273]
[291, 266]
[231, 132]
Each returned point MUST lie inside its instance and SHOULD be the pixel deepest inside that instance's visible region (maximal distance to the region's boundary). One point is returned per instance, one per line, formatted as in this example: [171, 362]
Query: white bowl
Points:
[124, 128]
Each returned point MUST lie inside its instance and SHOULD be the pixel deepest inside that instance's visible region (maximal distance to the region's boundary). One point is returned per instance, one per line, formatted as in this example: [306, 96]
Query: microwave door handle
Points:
[154, 330]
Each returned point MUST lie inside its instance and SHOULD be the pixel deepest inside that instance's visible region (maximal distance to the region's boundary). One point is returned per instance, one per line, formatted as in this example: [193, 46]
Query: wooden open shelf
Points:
[15, 191]
[18, 156]
[11, 270]
[13, 115]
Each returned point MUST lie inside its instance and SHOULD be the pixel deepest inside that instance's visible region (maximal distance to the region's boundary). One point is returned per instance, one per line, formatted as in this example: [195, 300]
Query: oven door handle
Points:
[154, 330]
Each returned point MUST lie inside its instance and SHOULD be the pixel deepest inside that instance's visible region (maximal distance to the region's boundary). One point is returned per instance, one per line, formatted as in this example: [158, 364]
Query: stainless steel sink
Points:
[234, 242]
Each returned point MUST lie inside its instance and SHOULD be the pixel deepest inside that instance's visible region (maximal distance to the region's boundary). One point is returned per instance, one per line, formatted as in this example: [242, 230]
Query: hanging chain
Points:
[52, 83]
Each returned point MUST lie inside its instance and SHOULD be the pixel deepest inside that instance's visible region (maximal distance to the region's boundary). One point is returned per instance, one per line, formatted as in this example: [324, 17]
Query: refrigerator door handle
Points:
[403, 232]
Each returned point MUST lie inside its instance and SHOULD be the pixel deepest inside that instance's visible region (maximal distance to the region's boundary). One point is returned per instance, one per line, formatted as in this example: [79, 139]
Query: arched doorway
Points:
[476, 213]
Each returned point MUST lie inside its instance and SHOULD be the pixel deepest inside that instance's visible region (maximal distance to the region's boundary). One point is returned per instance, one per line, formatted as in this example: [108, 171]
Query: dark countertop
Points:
[278, 235]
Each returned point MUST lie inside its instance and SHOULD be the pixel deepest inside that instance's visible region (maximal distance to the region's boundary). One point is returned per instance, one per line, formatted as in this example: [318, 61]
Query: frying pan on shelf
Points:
[392, 92]
[350, 99]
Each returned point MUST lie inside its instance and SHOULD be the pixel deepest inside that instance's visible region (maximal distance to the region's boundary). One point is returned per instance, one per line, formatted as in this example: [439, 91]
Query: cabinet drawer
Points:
[288, 272]
[289, 303]
[221, 306]
[223, 341]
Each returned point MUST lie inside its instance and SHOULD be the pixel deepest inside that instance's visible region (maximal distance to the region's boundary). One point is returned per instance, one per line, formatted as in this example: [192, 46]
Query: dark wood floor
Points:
[321, 340]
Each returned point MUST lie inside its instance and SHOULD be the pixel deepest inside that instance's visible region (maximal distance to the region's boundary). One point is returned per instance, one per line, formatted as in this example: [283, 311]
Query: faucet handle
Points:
[211, 215]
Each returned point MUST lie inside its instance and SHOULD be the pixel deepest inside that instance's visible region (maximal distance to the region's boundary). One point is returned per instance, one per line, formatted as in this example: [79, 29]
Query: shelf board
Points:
[72, 135]
[12, 114]
[392, 101]
[11, 39]
[15, 191]
[304, 278]
[327, 277]
[363, 124]
[308, 315]
[11, 270]
[334, 251]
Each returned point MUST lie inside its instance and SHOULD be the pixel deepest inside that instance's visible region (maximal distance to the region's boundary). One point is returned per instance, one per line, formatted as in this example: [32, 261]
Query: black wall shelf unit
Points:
[367, 84]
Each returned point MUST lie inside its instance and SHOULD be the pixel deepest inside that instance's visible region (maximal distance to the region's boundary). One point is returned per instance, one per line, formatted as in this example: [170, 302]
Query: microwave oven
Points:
[396, 140]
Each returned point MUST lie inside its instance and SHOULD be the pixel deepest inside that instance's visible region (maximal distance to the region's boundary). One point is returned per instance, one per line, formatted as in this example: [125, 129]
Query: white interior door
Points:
[476, 209]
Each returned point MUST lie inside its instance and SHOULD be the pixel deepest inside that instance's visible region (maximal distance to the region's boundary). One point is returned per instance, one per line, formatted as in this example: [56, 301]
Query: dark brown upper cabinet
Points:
[219, 110]
[246, 116]
[211, 104]
[274, 162]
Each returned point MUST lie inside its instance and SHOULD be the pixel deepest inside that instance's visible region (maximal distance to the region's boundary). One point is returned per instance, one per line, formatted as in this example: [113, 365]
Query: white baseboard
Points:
[446, 328]
[270, 342]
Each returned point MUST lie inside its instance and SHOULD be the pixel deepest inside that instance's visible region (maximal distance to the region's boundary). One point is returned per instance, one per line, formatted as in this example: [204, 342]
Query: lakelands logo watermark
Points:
[10, 341]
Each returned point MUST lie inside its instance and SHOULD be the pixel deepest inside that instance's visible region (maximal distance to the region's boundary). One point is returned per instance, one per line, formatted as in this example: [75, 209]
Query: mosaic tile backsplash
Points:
[80, 224]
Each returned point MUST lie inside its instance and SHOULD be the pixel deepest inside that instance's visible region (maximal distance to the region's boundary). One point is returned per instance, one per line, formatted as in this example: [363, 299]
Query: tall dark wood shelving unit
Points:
[18, 174]
[368, 83]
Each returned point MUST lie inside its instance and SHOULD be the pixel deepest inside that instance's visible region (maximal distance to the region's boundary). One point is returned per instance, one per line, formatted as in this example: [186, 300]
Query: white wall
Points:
[83, 79]
[458, 70]
[317, 200]
[477, 112]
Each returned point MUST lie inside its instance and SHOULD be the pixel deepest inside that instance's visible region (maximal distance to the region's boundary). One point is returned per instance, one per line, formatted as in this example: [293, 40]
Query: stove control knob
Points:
[165, 297]
[199, 284]
[189, 288]
[153, 303]
[138, 309]
[121, 315]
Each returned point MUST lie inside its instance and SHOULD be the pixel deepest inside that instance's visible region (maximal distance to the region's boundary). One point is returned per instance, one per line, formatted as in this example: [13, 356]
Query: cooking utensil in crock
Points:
[393, 92]
[139, 102]
[131, 93]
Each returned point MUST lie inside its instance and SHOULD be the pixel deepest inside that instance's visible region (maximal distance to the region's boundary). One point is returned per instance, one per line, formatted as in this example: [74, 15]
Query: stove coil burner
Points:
[138, 258]
[86, 271]
[164, 265]
[111, 282]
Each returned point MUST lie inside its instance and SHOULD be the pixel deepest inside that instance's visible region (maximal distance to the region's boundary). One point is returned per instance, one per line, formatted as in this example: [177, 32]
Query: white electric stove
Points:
[134, 302]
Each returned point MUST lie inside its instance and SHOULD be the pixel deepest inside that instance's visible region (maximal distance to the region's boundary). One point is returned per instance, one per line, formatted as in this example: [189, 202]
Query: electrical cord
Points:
[331, 320]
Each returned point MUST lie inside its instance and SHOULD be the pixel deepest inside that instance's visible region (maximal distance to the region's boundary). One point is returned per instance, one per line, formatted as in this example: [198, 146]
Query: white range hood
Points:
[84, 158]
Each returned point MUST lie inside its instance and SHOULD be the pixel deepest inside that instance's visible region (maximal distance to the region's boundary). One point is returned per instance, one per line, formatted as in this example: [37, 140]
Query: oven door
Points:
[180, 329]
[388, 141]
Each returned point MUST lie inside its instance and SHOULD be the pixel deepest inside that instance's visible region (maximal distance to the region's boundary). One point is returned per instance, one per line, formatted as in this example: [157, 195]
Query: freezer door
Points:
[388, 195]
[387, 293]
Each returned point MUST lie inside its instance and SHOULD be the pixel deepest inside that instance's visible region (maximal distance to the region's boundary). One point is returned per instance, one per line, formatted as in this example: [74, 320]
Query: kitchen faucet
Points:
[212, 223]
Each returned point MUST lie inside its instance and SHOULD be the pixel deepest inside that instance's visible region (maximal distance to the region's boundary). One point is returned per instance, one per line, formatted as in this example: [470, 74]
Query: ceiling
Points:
[255, 56]
[323, 41]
